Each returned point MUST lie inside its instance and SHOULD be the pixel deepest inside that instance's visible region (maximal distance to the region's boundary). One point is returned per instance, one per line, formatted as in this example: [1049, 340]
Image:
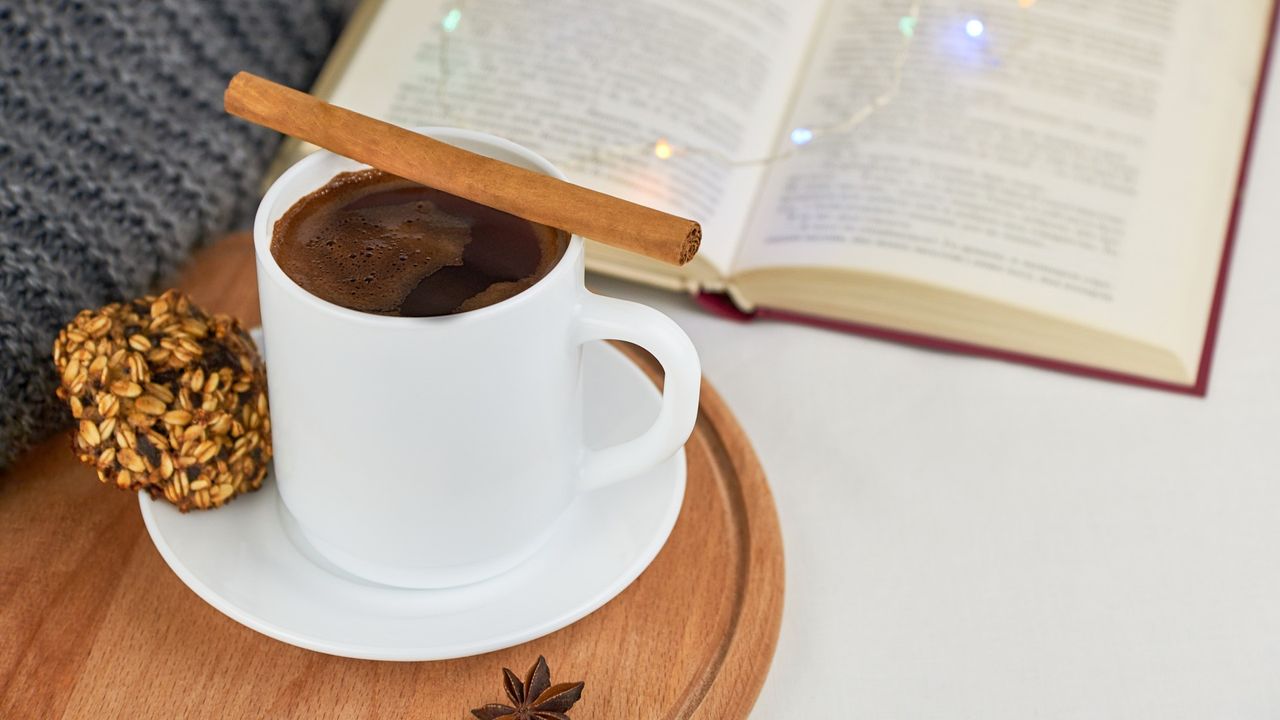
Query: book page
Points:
[1073, 158]
[594, 86]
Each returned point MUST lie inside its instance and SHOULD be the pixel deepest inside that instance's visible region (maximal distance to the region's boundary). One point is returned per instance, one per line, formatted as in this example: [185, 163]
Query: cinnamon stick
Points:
[523, 193]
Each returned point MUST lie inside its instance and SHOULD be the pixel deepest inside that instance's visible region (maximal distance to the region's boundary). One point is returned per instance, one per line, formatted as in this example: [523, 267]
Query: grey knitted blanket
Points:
[117, 161]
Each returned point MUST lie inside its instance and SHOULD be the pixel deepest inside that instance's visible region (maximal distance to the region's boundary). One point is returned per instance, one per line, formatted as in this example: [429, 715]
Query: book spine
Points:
[722, 305]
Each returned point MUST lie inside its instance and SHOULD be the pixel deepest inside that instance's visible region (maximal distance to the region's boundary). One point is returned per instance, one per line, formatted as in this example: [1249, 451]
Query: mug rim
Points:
[262, 233]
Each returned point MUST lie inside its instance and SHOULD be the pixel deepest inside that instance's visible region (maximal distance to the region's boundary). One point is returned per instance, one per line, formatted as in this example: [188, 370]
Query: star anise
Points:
[535, 699]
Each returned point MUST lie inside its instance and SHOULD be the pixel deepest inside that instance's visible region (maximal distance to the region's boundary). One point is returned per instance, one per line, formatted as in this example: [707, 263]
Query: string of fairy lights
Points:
[797, 138]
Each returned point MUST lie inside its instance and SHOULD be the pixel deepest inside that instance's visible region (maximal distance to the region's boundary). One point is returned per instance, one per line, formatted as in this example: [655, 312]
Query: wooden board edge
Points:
[748, 653]
[751, 648]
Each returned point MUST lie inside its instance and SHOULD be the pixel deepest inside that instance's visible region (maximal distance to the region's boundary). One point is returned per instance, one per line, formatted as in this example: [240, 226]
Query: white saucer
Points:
[242, 559]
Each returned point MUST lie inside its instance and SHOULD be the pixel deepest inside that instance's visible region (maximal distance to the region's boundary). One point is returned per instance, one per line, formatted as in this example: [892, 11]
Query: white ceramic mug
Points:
[439, 451]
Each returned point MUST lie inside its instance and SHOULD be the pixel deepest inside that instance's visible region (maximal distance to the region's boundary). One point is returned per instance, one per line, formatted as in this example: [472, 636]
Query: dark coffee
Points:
[377, 243]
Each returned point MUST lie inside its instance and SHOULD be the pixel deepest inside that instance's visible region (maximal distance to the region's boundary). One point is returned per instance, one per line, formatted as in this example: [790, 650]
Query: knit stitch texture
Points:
[117, 160]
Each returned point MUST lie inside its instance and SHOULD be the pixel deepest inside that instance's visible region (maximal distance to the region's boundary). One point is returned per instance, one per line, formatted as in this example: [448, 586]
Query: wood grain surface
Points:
[94, 624]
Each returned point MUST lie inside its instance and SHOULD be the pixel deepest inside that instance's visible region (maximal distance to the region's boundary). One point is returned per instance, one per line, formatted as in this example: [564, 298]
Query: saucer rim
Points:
[580, 609]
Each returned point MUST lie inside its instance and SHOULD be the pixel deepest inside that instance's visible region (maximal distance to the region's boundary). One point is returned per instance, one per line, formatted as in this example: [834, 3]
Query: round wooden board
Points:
[94, 624]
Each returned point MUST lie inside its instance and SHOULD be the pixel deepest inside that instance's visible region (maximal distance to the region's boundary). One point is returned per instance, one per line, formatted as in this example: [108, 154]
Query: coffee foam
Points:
[368, 240]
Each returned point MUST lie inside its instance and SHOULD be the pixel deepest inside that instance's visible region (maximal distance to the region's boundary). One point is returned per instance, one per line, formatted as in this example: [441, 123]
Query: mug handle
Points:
[605, 318]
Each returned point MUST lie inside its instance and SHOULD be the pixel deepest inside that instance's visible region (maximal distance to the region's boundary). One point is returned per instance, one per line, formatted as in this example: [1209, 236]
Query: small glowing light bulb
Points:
[801, 136]
[662, 149]
[1026, 3]
[451, 20]
[974, 28]
[907, 26]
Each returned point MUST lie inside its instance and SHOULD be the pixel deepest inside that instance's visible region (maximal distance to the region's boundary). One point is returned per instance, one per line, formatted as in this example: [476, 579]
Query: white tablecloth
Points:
[967, 538]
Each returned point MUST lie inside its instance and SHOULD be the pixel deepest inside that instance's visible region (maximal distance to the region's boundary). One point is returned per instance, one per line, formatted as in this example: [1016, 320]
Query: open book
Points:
[1047, 181]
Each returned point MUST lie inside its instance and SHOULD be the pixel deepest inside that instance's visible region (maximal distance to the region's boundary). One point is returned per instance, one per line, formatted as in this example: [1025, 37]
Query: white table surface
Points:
[967, 538]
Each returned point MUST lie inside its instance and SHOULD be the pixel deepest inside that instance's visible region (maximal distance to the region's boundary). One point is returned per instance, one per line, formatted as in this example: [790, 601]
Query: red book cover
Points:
[721, 305]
